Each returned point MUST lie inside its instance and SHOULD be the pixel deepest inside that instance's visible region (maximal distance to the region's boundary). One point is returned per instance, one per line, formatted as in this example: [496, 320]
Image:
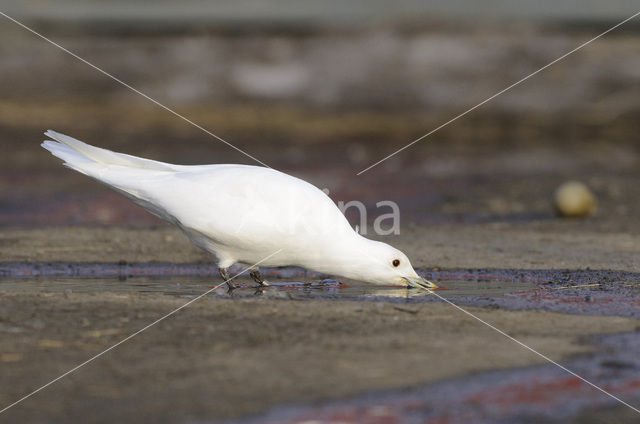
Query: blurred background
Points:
[324, 89]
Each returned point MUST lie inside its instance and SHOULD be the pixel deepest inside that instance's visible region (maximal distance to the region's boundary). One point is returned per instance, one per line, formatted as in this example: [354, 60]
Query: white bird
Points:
[242, 213]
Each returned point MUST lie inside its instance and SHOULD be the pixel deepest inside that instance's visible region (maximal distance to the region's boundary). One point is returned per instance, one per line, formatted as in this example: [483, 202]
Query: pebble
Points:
[574, 199]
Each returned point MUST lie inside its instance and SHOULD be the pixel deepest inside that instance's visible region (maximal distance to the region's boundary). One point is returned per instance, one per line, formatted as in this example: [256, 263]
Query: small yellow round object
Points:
[574, 199]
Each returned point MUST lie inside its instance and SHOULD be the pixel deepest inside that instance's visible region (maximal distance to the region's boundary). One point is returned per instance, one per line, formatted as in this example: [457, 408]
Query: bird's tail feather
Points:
[71, 158]
[119, 171]
[78, 155]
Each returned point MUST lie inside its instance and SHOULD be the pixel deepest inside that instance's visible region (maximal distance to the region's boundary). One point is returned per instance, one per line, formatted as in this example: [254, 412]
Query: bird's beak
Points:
[420, 283]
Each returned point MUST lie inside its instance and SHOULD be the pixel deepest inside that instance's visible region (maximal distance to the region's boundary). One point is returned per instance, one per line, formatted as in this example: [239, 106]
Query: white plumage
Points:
[243, 213]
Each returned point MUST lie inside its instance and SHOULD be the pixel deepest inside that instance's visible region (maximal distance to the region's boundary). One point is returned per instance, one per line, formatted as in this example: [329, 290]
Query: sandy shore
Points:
[224, 358]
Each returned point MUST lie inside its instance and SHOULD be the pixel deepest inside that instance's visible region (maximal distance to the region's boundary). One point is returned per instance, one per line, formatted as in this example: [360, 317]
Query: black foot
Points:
[255, 274]
[224, 273]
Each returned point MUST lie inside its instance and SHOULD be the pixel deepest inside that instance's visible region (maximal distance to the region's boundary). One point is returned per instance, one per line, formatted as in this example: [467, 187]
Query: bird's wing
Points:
[255, 208]
[224, 203]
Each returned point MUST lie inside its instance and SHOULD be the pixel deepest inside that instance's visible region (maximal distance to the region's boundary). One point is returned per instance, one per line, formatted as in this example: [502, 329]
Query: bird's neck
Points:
[345, 257]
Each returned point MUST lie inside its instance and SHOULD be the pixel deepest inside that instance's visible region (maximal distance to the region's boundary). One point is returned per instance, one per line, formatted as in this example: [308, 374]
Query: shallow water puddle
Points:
[194, 286]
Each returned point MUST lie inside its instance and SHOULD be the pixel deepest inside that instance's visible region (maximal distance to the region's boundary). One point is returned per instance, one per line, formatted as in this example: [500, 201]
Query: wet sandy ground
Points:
[233, 357]
[533, 394]
[225, 358]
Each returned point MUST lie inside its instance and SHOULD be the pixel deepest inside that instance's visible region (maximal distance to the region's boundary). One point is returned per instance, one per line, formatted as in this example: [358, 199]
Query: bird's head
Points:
[379, 263]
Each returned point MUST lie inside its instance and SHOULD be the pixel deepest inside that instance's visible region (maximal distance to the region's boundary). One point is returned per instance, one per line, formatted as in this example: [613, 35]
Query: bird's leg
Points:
[255, 274]
[224, 273]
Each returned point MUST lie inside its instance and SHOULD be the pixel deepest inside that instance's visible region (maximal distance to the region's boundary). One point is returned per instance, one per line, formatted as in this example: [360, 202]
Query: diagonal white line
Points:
[534, 351]
[184, 118]
[499, 93]
[131, 336]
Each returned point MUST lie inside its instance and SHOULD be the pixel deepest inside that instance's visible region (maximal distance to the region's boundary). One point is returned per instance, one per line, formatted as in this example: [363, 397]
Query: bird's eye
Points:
[396, 263]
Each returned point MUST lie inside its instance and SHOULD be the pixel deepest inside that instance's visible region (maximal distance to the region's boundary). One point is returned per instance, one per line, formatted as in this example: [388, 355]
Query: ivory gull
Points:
[243, 213]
